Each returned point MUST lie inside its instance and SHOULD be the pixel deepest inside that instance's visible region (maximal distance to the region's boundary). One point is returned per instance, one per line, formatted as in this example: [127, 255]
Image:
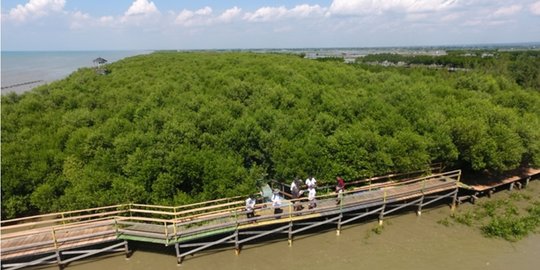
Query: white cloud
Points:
[535, 8]
[413, 17]
[35, 9]
[229, 14]
[141, 7]
[303, 11]
[205, 11]
[78, 20]
[198, 17]
[106, 19]
[184, 17]
[508, 10]
[266, 14]
[362, 7]
[451, 17]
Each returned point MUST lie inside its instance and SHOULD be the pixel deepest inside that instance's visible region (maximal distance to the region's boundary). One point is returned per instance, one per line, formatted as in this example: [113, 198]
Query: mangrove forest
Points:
[178, 127]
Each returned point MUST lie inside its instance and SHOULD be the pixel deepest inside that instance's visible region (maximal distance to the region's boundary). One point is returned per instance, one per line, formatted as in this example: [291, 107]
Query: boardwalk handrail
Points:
[56, 214]
[178, 215]
[435, 168]
[172, 225]
[60, 221]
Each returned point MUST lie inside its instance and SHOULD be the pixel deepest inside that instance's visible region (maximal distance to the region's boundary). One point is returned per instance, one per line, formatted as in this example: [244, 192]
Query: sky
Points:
[221, 24]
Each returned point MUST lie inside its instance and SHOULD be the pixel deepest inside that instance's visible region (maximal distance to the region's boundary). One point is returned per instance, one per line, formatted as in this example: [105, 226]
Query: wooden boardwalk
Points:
[54, 238]
[485, 186]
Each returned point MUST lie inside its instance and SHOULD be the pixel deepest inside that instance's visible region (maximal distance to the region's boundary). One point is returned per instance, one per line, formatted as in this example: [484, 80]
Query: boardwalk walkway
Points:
[64, 237]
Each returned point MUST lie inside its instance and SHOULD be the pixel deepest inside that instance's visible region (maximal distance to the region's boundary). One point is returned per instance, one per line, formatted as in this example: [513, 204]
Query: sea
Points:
[24, 70]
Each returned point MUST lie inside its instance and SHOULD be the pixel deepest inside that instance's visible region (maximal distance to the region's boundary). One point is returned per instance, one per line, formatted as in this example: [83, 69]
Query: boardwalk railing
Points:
[371, 182]
[184, 226]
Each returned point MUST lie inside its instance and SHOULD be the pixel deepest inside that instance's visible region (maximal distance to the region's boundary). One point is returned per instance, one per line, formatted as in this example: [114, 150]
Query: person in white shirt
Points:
[276, 202]
[311, 197]
[311, 182]
[250, 206]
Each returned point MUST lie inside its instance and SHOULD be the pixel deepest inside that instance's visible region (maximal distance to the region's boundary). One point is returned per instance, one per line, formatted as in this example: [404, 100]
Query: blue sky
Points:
[207, 24]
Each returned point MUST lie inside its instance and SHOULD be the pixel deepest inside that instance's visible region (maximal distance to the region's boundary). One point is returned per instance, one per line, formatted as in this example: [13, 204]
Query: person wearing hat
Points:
[276, 202]
[250, 206]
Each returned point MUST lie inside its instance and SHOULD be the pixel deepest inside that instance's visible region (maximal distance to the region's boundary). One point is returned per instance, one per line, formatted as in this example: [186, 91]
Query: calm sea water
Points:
[24, 67]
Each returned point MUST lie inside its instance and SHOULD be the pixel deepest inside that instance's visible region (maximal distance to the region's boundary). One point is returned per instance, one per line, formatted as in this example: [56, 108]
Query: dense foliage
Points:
[171, 128]
[523, 67]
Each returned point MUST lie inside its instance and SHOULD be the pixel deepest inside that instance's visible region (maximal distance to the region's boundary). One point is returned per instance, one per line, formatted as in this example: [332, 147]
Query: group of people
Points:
[296, 192]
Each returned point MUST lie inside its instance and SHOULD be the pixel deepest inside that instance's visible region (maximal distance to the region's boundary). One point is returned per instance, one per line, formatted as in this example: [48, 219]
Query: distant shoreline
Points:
[23, 71]
[22, 84]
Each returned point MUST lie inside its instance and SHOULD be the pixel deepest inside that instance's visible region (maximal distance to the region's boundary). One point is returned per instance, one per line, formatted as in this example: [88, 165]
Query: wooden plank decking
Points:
[481, 187]
[170, 225]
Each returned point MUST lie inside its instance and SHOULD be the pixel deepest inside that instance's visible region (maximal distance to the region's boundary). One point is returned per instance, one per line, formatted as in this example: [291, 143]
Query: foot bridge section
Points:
[61, 238]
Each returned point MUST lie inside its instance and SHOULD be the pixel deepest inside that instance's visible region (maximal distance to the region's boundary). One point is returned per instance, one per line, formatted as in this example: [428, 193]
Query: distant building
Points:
[99, 69]
[99, 61]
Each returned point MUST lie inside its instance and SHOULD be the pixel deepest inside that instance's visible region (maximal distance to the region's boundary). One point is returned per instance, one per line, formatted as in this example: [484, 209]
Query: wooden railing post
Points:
[55, 241]
[290, 211]
[166, 233]
[341, 198]
[116, 227]
[174, 230]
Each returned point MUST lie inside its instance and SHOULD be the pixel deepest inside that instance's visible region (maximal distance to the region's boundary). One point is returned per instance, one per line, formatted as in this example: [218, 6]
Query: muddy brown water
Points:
[407, 241]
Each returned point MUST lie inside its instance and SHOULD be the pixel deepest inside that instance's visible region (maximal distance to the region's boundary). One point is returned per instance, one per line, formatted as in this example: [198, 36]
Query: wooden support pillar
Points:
[519, 185]
[126, 249]
[341, 198]
[511, 187]
[59, 260]
[236, 244]
[382, 210]
[419, 211]
[290, 238]
[474, 198]
[338, 232]
[490, 192]
[381, 215]
[527, 181]
[178, 258]
[454, 201]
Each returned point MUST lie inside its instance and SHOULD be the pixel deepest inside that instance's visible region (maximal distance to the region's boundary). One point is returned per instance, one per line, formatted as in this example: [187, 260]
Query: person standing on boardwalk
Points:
[296, 193]
[340, 188]
[250, 206]
[311, 197]
[276, 202]
[295, 189]
[311, 182]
